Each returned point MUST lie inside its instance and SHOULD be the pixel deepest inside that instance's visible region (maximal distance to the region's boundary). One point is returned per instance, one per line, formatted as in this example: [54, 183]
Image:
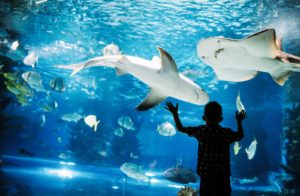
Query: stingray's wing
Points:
[234, 75]
[261, 44]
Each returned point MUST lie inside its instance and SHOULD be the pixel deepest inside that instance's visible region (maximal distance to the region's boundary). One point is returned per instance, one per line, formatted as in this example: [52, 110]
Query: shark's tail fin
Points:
[75, 67]
[108, 61]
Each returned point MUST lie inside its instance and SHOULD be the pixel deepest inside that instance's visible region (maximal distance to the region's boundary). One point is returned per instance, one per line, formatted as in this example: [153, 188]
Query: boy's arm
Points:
[239, 118]
[174, 110]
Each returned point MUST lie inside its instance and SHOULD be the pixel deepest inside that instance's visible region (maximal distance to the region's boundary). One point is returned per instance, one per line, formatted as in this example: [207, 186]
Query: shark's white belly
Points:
[171, 85]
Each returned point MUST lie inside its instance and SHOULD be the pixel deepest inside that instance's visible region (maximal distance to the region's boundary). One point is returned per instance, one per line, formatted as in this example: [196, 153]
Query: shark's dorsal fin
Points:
[153, 98]
[261, 44]
[168, 65]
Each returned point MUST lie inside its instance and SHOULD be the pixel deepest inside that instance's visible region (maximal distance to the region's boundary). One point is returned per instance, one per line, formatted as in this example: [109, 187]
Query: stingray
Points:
[242, 59]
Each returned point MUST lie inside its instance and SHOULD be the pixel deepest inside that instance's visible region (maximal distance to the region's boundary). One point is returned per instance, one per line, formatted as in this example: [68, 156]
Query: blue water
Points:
[66, 32]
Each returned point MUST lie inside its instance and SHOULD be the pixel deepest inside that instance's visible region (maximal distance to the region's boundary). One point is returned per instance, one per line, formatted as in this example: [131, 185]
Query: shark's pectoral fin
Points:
[168, 64]
[261, 44]
[153, 98]
[234, 75]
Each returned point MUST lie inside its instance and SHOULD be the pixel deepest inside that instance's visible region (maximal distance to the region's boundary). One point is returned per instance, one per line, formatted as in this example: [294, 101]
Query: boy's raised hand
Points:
[169, 106]
[240, 116]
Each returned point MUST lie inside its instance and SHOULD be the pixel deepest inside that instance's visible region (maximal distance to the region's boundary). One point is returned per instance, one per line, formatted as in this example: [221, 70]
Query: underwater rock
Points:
[180, 174]
[126, 122]
[187, 191]
[133, 170]
[166, 129]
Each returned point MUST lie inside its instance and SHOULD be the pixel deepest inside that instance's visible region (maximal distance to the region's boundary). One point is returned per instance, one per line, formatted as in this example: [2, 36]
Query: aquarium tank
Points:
[84, 87]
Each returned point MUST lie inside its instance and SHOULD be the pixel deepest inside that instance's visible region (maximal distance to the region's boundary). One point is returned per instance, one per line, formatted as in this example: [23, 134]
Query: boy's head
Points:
[213, 112]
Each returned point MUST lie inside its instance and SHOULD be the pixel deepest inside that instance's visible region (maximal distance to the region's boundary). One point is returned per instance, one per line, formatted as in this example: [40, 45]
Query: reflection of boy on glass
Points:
[213, 165]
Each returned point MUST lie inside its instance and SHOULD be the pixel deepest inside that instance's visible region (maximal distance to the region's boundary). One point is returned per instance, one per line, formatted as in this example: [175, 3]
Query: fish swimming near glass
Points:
[180, 174]
[160, 74]
[166, 129]
[251, 150]
[133, 170]
[91, 121]
[242, 59]
[239, 105]
[236, 148]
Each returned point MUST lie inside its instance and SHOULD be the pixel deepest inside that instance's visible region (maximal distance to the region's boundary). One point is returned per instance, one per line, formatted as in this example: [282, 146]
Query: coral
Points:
[187, 191]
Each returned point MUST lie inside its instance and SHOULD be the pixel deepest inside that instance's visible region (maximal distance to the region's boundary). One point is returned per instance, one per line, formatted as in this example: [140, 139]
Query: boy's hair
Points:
[213, 111]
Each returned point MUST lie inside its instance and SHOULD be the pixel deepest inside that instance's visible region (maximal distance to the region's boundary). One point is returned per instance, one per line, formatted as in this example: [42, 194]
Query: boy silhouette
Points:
[213, 165]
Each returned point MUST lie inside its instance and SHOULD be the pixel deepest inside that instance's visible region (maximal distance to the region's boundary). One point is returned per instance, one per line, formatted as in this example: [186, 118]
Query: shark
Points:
[160, 74]
[238, 60]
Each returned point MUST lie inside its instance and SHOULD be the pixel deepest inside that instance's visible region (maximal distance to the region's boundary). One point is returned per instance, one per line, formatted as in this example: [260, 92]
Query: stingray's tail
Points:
[107, 61]
[289, 63]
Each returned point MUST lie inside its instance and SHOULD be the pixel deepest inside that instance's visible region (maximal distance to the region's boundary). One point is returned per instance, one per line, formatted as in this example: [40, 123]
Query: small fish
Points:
[111, 49]
[25, 152]
[153, 164]
[50, 106]
[166, 129]
[64, 156]
[58, 85]
[133, 170]
[236, 148]
[103, 153]
[59, 139]
[14, 45]
[71, 117]
[134, 156]
[126, 122]
[91, 121]
[31, 59]
[251, 149]
[34, 80]
[43, 117]
[245, 180]
[239, 105]
[119, 132]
